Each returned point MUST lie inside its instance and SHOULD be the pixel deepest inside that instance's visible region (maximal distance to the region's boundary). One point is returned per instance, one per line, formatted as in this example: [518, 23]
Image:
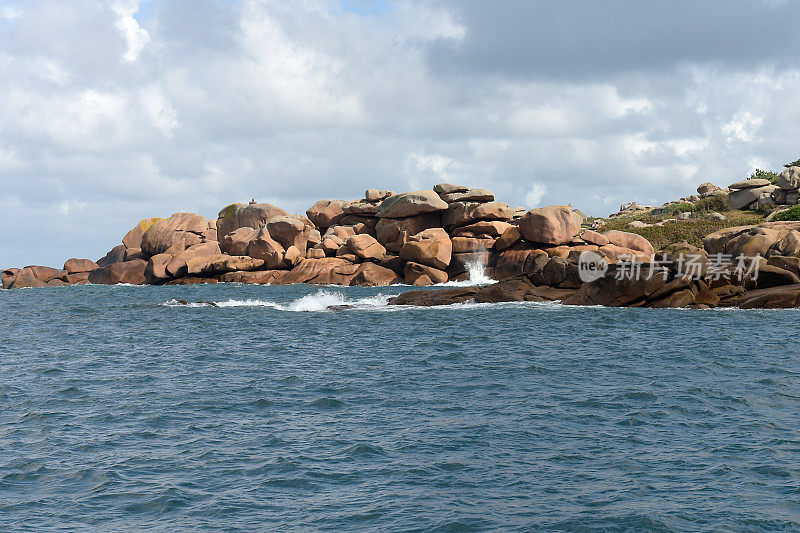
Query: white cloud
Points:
[136, 37]
[193, 105]
[535, 195]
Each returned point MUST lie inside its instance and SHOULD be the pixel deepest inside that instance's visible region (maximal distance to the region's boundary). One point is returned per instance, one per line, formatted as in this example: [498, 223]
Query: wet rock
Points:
[612, 292]
[193, 280]
[428, 298]
[781, 297]
[680, 298]
[461, 263]
[510, 290]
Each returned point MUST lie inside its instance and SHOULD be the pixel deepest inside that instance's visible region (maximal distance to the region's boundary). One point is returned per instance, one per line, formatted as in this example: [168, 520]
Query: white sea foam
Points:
[322, 300]
[477, 276]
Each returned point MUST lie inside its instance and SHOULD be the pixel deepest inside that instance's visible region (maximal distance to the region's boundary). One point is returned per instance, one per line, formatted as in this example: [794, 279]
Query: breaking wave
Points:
[322, 300]
[477, 276]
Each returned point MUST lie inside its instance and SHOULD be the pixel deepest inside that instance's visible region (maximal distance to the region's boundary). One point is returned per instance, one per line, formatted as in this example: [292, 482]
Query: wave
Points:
[327, 301]
[322, 300]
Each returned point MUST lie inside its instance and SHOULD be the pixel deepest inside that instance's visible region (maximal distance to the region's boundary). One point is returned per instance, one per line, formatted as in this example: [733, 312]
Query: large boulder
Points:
[618, 291]
[326, 271]
[749, 184]
[411, 204]
[366, 247]
[463, 213]
[261, 277]
[749, 240]
[163, 234]
[156, 269]
[549, 225]
[289, 231]
[520, 260]
[484, 229]
[471, 195]
[133, 239]
[782, 297]
[509, 238]
[448, 188]
[237, 216]
[115, 255]
[471, 244]
[326, 213]
[414, 272]
[26, 278]
[9, 275]
[131, 272]
[264, 247]
[393, 233]
[45, 273]
[75, 266]
[193, 260]
[235, 242]
[743, 198]
[430, 247]
[789, 179]
[628, 240]
[372, 275]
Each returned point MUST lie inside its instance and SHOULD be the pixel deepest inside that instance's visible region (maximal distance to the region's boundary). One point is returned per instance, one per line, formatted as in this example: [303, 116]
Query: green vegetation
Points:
[759, 174]
[681, 208]
[793, 164]
[693, 230]
[717, 203]
[793, 213]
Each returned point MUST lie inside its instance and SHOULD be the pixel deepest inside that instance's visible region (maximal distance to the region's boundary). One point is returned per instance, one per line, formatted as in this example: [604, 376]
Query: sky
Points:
[115, 111]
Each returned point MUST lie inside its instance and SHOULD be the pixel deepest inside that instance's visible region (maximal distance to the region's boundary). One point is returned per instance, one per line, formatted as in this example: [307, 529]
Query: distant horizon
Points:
[116, 112]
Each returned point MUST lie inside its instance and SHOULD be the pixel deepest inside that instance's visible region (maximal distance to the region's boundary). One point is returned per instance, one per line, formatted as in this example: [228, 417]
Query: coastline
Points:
[447, 235]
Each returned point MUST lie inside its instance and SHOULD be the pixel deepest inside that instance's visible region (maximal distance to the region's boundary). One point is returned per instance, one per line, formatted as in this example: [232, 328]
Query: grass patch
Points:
[793, 213]
[693, 231]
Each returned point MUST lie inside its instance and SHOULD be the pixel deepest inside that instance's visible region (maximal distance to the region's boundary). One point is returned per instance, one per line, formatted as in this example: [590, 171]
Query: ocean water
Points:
[123, 411]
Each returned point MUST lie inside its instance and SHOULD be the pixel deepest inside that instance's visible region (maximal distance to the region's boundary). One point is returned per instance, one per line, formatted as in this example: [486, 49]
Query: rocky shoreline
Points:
[430, 237]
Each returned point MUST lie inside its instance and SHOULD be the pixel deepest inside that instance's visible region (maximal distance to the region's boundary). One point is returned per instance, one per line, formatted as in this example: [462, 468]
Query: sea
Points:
[126, 410]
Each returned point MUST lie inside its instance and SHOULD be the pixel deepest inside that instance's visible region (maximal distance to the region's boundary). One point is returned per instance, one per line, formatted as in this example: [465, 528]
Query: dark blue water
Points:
[121, 413]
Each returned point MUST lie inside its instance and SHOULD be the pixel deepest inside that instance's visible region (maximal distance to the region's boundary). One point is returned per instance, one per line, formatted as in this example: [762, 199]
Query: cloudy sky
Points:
[113, 111]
